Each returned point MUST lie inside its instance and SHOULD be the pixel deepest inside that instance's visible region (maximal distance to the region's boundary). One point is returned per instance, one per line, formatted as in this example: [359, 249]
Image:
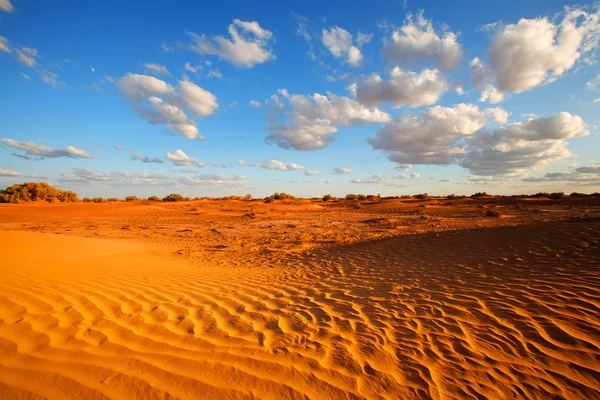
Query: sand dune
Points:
[507, 312]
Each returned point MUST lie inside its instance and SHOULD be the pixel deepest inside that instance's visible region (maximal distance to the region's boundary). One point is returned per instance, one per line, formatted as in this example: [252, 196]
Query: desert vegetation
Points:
[36, 191]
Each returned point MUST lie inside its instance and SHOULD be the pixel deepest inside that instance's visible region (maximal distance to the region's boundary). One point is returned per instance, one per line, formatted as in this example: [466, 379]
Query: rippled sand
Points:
[500, 313]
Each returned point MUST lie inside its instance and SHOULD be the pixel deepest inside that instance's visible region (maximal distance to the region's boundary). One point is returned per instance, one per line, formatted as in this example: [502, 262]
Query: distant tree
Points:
[131, 198]
[154, 198]
[173, 197]
[327, 197]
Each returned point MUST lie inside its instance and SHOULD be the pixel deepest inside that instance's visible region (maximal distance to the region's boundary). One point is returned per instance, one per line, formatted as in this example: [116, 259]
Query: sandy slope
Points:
[506, 312]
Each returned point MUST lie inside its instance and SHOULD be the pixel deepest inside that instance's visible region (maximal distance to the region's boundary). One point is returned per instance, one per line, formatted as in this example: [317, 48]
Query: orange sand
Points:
[497, 312]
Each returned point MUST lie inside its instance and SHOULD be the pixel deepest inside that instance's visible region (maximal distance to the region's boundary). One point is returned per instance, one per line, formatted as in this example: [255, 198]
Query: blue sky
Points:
[302, 97]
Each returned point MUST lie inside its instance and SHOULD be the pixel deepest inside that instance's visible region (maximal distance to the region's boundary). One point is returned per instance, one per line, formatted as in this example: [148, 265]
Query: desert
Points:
[301, 298]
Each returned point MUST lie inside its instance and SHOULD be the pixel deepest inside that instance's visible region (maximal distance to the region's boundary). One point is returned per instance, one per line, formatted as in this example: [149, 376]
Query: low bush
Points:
[174, 197]
[422, 196]
[493, 213]
[154, 198]
[356, 204]
[98, 200]
[479, 194]
[131, 198]
[327, 197]
[112, 199]
[424, 217]
[36, 191]
[556, 195]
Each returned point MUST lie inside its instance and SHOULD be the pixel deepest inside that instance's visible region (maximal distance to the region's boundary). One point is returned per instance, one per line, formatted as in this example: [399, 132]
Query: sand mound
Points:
[508, 312]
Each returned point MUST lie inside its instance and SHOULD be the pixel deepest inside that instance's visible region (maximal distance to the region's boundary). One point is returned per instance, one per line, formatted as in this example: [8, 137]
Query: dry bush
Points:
[479, 194]
[112, 199]
[131, 198]
[422, 196]
[154, 198]
[356, 204]
[174, 197]
[36, 191]
[493, 213]
[98, 200]
[327, 197]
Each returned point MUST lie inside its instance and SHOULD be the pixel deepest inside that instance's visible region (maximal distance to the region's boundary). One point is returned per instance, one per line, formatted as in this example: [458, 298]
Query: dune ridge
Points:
[437, 316]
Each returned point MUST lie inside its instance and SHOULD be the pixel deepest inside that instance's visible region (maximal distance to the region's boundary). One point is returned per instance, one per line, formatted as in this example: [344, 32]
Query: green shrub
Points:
[361, 197]
[282, 196]
[174, 197]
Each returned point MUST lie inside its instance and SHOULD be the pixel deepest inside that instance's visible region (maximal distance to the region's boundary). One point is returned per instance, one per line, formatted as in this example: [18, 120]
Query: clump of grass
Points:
[327, 197]
[493, 214]
[479, 194]
[154, 198]
[422, 196]
[131, 198]
[98, 200]
[424, 217]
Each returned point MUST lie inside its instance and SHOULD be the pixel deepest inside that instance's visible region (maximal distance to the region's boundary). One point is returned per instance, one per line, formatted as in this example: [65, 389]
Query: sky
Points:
[150, 97]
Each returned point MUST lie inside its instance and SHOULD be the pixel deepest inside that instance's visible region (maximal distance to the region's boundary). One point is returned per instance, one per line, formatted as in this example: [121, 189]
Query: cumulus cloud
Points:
[313, 120]
[248, 45]
[42, 151]
[212, 180]
[144, 159]
[403, 167]
[214, 74]
[255, 104]
[339, 43]
[144, 90]
[240, 161]
[342, 170]
[432, 137]
[523, 145]
[190, 68]
[536, 51]
[279, 165]
[417, 40]
[6, 6]
[49, 78]
[137, 87]
[10, 174]
[157, 69]
[414, 175]
[456, 135]
[404, 88]
[87, 175]
[179, 158]
[483, 79]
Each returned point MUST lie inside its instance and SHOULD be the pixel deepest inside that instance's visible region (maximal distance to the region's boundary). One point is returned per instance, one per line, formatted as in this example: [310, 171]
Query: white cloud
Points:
[405, 88]
[169, 111]
[157, 69]
[255, 104]
[214, 74]
[523, 145]
[190, 68]
[279, 165]
[414, 175]
[6, 6]
[25, 76]
[49, 78]
[313, 120]
[4, 45]
[27, 55]
[43, 151]
[577, 178]
[339, 43]
[245, 49]
[363, 38]
[594, 84]
[432, 137]
[371, 179]
[483, 79]
[179, 158]
[404, 167]
[118, 147]
[417, 40]
[342, 170]
[199, 101]
[10, 174]
[240, 161]
[136, 86]
[166, 48]
[536, 51]
[144, 159]
[312, 173]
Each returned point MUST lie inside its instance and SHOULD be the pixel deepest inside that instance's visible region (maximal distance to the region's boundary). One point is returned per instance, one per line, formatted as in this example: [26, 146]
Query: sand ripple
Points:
[510, 312]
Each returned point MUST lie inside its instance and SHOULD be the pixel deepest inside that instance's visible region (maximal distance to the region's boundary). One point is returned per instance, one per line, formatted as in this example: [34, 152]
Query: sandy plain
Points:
[301, 299]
